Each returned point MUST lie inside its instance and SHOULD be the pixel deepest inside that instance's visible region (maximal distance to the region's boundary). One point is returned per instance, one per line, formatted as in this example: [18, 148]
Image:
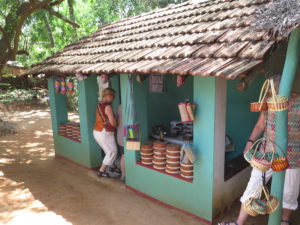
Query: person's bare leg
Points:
[286, 215]
[103, 167]
[243, 216]
[122, 165]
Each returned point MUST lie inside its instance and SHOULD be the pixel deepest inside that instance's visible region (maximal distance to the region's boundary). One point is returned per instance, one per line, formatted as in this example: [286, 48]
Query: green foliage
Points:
[89, 14]
[21, 95]
[72, 100]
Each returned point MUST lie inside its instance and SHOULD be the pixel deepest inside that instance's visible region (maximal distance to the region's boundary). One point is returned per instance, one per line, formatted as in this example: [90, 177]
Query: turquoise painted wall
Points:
[86, 153]
[239, 120]
[190, 197]
[163, 107]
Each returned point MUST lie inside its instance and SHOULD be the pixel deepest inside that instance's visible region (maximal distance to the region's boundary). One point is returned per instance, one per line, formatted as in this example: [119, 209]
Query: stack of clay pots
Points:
[187, 170]
[173, 158]
[147, 153]
[159, 159]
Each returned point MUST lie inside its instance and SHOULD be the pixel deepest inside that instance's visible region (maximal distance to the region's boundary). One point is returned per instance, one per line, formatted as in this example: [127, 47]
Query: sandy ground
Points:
[36, 188]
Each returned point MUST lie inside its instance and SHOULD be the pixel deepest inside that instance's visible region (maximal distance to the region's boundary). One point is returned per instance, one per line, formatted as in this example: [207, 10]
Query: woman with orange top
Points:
[104, 128]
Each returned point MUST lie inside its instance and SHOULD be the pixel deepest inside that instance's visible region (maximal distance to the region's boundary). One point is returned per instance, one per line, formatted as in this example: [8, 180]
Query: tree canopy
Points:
[31, 30]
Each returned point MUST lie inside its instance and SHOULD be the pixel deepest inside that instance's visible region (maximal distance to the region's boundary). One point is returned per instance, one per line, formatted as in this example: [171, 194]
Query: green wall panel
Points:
[190, 197]
[86, 153]
[163, 107]
[239, 120]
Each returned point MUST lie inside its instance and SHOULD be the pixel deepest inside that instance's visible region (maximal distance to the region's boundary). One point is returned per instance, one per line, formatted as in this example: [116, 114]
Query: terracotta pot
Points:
[173, 159]
[173, 147]
[186, 173]
[159, 154]
[147, 145]
[146, 160]
[159, 160]
[177, 168]
[148, 150]
[147, 156]
[188, 177]
[146, 153]
[172, 171]
[173, 164]
[159, 150]
[173, 153]
[160, 144]
[186, 167]
[159, 166]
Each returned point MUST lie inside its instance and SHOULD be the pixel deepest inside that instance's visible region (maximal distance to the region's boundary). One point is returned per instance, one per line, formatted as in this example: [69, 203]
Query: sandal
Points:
[228, 223]
[287, 222]
[102, 174]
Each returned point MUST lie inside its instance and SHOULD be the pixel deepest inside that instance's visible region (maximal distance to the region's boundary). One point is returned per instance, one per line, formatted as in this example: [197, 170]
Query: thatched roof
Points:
[211, 38]
[280, 17]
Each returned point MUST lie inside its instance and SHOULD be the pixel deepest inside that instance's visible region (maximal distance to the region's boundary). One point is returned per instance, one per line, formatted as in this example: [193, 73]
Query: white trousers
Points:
[290, 190]
[107, 142]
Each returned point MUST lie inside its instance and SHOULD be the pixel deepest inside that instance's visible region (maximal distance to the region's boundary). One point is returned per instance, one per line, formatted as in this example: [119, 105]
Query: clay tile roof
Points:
[212, 38]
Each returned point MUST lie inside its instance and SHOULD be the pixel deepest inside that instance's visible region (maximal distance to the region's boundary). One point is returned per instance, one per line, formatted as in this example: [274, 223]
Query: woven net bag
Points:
[261, 105]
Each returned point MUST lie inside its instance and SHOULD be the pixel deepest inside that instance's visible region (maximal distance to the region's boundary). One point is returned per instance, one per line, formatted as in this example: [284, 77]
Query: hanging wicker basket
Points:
[277, 102]
[247, 207]
[261, 105]
[272, 204]
[280, 164]
[259, 206]
[271, 201]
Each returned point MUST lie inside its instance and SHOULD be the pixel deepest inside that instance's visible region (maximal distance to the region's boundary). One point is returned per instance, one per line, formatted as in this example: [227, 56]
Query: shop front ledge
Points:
[73, 139]
[164, 172]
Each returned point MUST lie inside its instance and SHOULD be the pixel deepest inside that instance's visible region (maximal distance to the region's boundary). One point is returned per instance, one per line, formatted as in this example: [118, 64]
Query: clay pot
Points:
[147, 145]
[173, 164]
[158, 160]
[159, 150]
[187, 173]
[173, 147]
[171, 170]
[147, 154]
[159, 154]
[160, 144]
[173, 153]
[186, 167]
[159, 166]
[146, 160]
[147, 151]
[173, 159]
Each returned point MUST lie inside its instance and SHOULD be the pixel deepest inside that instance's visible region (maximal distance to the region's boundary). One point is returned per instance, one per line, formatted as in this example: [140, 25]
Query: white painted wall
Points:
[225, 192]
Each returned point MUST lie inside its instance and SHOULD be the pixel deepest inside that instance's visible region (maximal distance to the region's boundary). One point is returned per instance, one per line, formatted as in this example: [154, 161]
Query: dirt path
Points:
[36, 188]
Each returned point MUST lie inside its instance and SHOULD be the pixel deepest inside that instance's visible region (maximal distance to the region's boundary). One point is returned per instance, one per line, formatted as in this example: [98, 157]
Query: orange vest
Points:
[102, 120]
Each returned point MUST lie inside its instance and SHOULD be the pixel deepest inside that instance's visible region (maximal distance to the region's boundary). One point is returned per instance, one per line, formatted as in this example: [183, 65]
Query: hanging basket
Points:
[260, 164]
[271, 201]
[277, 102]
[261, 105]
[259, 206]
[247, 207]
[272, 204]
[280, 164]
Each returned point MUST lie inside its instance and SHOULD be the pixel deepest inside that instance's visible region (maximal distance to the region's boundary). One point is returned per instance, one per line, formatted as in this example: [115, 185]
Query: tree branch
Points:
[58, 15]
[55, 3]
